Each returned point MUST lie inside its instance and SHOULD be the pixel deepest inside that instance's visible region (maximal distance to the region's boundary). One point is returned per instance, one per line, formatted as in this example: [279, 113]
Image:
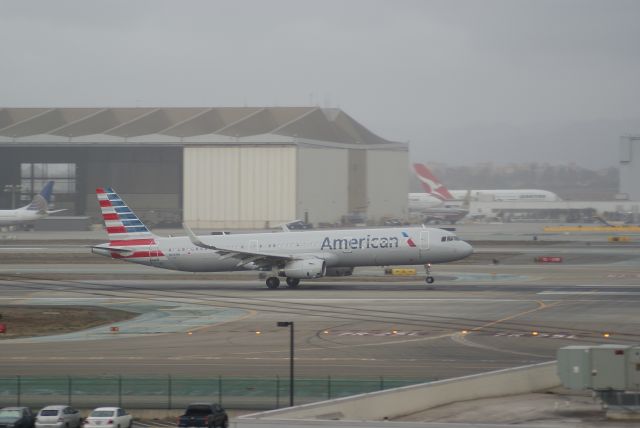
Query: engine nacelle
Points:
[339, 271]
[306, 268]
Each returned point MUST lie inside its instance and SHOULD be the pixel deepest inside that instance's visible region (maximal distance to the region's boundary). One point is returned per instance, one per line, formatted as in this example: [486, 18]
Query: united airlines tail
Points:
[430, 183]
[40, 202]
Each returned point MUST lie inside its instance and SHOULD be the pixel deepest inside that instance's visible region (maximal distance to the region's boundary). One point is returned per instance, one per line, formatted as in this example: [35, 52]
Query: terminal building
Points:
[220, 167]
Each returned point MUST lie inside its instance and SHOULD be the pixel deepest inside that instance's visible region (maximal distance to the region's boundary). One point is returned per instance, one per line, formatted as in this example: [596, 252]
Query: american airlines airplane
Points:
[292, 255]
[37, 209]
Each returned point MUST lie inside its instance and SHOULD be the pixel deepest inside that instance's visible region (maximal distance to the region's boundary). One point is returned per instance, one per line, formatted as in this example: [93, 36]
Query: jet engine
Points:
[306, 268]
[339, 271]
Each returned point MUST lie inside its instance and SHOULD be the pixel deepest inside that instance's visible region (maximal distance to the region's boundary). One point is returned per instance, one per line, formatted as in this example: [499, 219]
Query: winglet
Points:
[195, 240]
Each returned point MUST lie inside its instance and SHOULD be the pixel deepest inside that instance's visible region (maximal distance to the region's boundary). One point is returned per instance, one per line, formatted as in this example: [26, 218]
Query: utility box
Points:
[574, 367]
[604, 367]
[633, 369]
[609, 367]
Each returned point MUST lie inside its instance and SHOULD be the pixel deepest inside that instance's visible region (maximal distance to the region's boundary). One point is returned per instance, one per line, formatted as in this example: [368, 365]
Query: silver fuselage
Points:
[339, 248]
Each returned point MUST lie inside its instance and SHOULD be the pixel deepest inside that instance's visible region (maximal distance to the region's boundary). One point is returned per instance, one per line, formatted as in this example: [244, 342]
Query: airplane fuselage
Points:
[338, 248]
[18, 216]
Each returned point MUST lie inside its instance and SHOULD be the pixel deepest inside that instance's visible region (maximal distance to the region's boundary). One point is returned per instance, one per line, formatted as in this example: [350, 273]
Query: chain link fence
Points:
[171, 392]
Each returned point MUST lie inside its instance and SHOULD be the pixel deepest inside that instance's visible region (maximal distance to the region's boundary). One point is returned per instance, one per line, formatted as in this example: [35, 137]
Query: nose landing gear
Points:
[429, 279]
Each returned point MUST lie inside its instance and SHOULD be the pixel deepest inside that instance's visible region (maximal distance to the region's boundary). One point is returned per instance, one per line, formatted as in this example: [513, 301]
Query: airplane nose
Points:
[468, 249]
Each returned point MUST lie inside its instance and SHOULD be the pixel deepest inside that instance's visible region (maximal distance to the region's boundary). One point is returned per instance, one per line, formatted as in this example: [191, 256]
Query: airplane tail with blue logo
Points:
[123, 227]
[40, 202]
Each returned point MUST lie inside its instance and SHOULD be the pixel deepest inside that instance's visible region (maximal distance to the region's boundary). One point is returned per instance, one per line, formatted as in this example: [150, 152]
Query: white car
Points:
[108, 417]
[58, 417]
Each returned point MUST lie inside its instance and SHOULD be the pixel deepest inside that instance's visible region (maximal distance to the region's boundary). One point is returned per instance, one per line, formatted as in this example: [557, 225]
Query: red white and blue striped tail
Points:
[122, 225]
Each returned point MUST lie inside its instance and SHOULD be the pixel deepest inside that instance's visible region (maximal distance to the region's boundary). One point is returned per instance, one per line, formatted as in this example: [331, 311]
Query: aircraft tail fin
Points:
[122, 225]
[430, 183]
[41, 201]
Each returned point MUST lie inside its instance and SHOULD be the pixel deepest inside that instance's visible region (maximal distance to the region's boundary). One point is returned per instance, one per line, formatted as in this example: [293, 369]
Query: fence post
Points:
[329, 387]
[120, 391]
[169, 392]
[18, 389]
[277, 391]
[220, 390]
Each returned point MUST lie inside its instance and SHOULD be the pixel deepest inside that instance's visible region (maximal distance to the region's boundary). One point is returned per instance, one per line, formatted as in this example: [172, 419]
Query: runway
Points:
[343, 329]
[495, 310]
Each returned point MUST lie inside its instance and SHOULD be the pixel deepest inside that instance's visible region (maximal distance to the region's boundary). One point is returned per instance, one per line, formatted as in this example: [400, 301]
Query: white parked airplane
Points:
[37, 209]
[436, 203]
[294, 255]
[435, 190]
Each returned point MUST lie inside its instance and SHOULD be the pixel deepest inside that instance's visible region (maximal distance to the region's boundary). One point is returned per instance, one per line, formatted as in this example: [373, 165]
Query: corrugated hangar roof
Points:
[179, 125]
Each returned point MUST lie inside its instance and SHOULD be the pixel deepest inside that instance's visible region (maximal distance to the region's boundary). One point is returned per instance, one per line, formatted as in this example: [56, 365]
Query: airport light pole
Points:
[291, 377]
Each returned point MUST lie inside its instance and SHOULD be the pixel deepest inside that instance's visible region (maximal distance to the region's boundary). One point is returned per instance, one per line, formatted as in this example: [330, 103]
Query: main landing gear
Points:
[429, 279]
[293, 282]
[273, 282]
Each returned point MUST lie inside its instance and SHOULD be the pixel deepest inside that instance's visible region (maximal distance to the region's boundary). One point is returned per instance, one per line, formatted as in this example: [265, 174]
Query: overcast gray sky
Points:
[463, 81]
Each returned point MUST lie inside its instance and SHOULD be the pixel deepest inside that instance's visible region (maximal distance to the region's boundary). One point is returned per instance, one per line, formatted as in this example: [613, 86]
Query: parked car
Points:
[17, 417]
[111, 417]
[204, 415]
[299, 225]
[58, 417]
[393, 222]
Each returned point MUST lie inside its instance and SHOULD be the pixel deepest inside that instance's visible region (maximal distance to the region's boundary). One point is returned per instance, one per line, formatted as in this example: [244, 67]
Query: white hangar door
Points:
[239, 186]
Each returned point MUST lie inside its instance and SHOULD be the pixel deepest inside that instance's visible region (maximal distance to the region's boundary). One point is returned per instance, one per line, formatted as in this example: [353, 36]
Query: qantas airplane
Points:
[28, 214]
[436, 203]
[437, 191]
[292, 255]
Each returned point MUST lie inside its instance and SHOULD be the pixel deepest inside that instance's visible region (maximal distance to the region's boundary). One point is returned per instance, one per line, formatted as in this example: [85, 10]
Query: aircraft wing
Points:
[260, 259]
[56, 211]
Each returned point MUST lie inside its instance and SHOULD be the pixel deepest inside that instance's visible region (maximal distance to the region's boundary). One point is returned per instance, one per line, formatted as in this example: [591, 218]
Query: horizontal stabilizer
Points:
[107, 251]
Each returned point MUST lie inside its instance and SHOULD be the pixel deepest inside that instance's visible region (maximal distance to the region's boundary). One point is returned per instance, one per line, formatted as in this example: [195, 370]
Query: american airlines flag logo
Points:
[409, 240]
[124, 228]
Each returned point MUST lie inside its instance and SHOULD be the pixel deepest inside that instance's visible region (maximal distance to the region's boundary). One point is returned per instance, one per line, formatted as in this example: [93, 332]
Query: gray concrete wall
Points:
[387, 184]
[411, 399]
[239, 186]
[322, 184]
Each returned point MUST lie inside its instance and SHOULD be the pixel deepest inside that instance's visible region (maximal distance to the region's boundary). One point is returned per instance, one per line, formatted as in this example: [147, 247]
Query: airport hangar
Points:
[220, 167]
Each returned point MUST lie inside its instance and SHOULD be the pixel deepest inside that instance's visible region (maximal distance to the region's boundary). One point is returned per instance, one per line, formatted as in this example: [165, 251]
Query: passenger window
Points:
[444, 238]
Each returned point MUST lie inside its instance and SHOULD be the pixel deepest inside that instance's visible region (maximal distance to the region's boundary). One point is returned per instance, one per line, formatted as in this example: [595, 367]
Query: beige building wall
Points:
[322, 184]
[239, 186]
[387, 184]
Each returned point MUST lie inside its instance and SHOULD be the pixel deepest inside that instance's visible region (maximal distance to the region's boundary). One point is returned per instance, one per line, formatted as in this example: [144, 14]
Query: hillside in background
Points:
[570, 182]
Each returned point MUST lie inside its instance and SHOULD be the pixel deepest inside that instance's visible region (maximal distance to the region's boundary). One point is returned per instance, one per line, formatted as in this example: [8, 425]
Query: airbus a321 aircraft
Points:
[293, 255]
[37, 209]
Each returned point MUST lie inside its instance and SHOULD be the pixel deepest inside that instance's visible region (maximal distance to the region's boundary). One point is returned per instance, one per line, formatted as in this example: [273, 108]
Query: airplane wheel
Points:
[430, 280]
[293, 282]
[273, 282]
